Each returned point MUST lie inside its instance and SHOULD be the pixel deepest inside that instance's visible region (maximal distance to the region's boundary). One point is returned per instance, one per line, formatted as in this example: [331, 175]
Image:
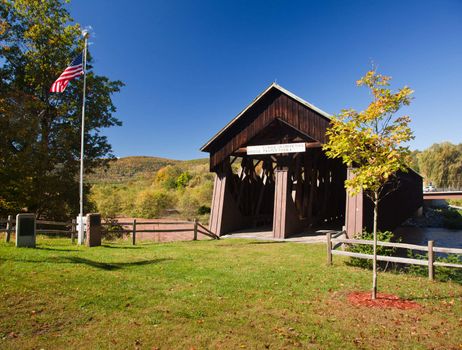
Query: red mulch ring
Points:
[383, 301]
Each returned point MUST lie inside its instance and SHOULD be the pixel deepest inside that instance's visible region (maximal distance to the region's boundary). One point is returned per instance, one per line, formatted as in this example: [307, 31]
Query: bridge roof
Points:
[258, 98]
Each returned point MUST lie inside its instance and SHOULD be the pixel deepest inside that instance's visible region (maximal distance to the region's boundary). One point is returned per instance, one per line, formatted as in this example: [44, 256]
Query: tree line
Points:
[183, 191]
[440, 165]
[39, 130]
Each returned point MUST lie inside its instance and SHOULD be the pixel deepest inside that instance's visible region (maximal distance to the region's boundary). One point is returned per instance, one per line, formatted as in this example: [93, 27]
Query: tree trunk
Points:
[374, 260]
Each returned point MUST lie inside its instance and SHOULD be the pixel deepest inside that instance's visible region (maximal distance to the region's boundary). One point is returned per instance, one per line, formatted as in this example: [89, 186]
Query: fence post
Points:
[9, 225]
[195, 230]
[134, 232]
[431, 260]
[73, 230]
[329, 248]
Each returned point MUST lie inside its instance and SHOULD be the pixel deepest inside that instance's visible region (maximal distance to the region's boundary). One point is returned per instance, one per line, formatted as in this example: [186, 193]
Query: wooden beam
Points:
[308, 145]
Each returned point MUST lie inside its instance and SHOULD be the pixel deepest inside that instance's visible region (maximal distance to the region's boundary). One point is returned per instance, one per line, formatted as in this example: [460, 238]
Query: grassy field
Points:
[210, 294]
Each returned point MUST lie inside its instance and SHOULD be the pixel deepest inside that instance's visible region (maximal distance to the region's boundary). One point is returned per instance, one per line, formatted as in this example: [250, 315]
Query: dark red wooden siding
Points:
[274, 104]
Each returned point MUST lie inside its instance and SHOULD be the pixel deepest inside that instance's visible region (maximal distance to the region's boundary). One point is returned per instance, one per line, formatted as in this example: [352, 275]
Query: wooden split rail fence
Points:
[49, 227]
[334, 241]
[44, 227]
[194, 226]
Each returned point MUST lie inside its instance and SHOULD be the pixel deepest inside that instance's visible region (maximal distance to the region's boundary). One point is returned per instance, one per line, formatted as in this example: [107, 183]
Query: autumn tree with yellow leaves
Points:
[373, 142]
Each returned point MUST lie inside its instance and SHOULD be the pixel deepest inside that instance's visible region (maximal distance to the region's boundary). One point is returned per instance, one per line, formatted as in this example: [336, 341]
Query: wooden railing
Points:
[68, 227]
[194, 226]
[334, 242]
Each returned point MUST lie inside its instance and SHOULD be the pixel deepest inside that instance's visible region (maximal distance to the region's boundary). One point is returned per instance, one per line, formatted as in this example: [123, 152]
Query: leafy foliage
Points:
[188, 184]
[452, 218]
[372, 140]
[385, 236]
[442, 273]
[183, 180]
[441, 164]
[152, 203]
[40, 131]
[167, 177]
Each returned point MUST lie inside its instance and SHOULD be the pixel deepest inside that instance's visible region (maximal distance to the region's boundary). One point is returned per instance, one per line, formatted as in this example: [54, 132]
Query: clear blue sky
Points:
[191, 66]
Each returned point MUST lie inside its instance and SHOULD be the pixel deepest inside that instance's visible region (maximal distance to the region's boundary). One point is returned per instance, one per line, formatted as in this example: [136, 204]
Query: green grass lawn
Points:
[210, 294]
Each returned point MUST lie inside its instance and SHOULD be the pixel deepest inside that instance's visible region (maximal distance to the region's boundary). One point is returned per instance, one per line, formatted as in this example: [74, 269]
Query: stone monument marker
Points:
[25, 230]
[93, 230]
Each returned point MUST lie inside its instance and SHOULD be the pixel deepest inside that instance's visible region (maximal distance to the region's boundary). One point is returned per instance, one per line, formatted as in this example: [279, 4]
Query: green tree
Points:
[39, 130]
[153, 203]
[183, 180]
[441, 164]
[414, 160]
[167, 177]
[371, 141]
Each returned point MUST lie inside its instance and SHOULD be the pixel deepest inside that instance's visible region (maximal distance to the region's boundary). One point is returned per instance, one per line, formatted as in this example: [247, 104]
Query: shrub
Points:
[113, 230]
[203, 210]
[386, 236]
[452, 219]
[153, 203]
[195, 201]
[167, 177]
[107, 199]
[183, 180]
[441, 273]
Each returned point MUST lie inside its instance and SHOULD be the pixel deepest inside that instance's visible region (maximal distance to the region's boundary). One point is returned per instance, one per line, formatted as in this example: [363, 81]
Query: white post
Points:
[82, 140]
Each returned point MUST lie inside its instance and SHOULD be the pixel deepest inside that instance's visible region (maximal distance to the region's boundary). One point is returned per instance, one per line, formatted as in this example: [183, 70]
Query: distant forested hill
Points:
[128, 169]
[151, 187]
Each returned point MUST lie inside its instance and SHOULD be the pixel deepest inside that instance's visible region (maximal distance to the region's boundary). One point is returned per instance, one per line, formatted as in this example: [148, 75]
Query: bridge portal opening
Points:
[271, 173]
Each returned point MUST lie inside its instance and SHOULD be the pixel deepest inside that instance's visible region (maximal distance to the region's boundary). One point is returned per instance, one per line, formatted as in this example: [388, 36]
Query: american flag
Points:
[74, 70]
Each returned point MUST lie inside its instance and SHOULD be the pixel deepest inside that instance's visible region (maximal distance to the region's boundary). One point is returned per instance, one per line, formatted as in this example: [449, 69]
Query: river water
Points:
[421, 235]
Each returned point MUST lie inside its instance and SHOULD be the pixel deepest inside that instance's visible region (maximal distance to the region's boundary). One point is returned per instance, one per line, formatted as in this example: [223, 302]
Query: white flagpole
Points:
[81, 236]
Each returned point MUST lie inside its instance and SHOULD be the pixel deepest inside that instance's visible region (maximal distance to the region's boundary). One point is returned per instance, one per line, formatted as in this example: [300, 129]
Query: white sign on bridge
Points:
[277, 148]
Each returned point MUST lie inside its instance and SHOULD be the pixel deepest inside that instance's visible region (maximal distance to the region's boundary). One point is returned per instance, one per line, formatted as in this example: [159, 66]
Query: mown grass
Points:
[210, 294]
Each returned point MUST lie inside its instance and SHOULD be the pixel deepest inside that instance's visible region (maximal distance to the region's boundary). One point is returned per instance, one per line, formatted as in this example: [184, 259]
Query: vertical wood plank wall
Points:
[354, 211]
[274, 105]
[285, 218]
[217, 204]
[280, 203]
[225, 216]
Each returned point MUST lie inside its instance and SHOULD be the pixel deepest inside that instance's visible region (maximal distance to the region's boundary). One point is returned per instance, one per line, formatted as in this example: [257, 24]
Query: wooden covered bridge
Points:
[271, 172]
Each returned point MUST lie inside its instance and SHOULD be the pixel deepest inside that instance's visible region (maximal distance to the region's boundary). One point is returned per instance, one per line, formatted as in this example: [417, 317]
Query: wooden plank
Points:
[206, 234]
[338, 234]
[52, 231]
[148, 223]
[274, 105]
[383, 244]
[447, 250]
[9, 228]
[382, 258]
[329, 248]
[440, 263]
[122, 231]
[195, 230]
[166, 230]
[134, 232]
[57, 223]
[431, 260]
[208, 231]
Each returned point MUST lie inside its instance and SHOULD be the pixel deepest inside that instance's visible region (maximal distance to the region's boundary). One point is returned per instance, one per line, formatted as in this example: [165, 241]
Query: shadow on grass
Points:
[96, 264]
[266, 242]
[112, 266]
[120, 247]
[56, 249]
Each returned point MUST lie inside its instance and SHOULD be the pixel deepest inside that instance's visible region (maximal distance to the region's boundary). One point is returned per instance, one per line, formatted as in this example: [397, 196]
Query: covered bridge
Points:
[271, 171]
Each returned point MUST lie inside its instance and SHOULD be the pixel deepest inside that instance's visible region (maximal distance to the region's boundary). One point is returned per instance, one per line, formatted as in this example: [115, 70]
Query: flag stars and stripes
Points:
[73, 71]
